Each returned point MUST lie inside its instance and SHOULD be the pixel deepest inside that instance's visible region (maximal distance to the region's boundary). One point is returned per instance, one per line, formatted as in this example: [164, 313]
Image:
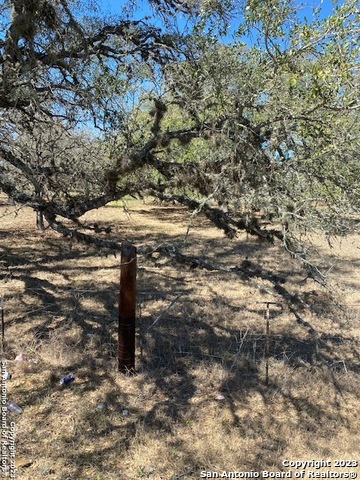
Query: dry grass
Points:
[199, 400]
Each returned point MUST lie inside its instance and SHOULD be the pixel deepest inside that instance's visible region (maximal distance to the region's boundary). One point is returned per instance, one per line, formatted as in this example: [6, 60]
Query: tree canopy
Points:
[237, 109]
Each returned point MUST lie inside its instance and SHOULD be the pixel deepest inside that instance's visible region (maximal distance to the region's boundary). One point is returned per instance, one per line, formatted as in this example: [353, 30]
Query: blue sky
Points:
[326, 6]
[305, 14]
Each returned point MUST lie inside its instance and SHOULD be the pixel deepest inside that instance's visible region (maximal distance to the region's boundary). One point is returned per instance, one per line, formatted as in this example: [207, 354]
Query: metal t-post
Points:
[127, 309]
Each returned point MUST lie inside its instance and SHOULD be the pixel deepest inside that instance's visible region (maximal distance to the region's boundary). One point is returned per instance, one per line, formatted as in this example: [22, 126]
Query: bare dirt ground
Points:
[199, 402]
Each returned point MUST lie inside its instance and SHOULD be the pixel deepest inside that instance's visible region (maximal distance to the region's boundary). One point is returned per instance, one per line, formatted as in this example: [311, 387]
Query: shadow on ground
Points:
[61, 287]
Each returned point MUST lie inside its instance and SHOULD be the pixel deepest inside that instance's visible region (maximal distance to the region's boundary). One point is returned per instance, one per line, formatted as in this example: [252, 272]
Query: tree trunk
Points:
[39, 220]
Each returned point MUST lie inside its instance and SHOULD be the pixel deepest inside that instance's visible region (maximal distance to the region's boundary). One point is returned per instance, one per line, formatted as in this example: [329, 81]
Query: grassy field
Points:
[199, 402]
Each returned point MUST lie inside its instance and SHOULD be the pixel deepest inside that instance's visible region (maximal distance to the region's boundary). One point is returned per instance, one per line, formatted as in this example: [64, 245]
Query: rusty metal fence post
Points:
[127, 309]
[267, 342]
[267, 336]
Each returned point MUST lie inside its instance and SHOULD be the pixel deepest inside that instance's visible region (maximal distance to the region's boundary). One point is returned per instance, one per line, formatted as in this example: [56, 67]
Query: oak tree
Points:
[259, 125]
